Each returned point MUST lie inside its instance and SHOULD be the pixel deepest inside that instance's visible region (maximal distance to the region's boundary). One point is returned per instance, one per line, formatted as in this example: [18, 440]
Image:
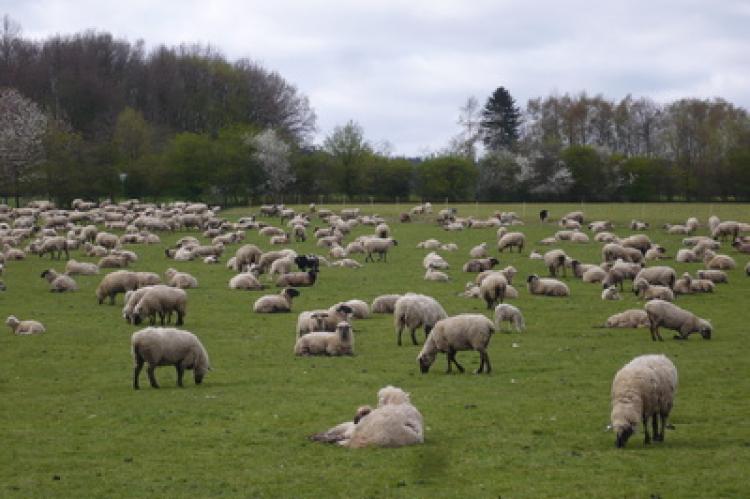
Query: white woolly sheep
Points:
[664, 314]
[480, 264]
[168, 347]
[457, 333]
[415, 310]
[73, 267]
[131, 300]
[181, 280]
[702, 286]
[23, 328]
[611, 293]
[347, 263]
[59, 283]
[718, 262]
[161, 301]
[655, 252]
[281, 302]
[148, 278]
[112, 262]
[281, 266]
[379, 246]
[435, 275]
[546, 286]
[663, 275]
[554, 260]
[338, 343]
[384, 304]
[323, 320]
[449, 247]
[297, 279]
[643, 389]
[715, 276]
[247, 255]
[511, 240]
[648, 292]
[114, 283]
[510, 313]
[479, 251]
[632, 318]
[492, 289]
[429, 244]
[245, 281]
[435, 261]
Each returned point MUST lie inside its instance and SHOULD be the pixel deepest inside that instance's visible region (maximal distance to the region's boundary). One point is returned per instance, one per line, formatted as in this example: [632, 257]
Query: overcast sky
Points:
[403, 68]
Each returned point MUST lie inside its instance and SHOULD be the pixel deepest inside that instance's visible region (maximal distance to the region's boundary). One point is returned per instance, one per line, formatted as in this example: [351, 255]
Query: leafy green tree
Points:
[447, 177]
[499, 174]
[591, 175]
[349, 148]
[189, 163]
[501, 121]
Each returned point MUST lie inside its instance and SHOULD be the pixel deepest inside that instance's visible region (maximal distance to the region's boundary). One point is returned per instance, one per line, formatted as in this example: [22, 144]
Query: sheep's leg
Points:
[137, 372]
[151, 375]
[646, 436]
[450, 368]
[180, 373]
[459, 366]
[398, 335]
[484, 362]
[112, 299]
[179, 318]
[413, 335]
[658, 437]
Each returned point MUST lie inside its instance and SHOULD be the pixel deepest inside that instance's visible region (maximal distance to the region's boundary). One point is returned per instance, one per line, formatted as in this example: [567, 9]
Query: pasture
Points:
[73, 426]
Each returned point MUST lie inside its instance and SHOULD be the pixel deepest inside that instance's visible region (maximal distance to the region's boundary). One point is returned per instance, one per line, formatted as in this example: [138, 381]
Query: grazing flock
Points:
[643, 389]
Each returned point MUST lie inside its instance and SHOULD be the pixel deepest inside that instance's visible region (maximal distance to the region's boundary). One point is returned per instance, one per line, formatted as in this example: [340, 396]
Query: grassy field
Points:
[74, 427]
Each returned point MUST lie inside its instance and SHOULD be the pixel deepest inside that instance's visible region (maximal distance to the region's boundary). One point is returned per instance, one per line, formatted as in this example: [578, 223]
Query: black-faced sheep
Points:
[664, 314]
[453, 334]
[281, 302]
[554, 260]
[379, 246]
[168, 347]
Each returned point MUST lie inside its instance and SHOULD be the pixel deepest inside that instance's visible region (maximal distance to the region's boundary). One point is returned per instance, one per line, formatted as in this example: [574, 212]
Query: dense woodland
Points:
[88, 115]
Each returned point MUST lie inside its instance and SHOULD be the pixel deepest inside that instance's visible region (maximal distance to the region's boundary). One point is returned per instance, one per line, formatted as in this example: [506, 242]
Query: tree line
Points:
[88, 115]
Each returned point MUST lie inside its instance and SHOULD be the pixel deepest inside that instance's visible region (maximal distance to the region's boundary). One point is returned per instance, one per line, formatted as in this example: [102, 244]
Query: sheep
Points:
[305, 262]
[546, 286]
[554, 260]
[685, 255]
[511, 240]
[435, 275]
[23, 328]
[109, 241]
[702, 286]
[59, 282]
[606, 237]
[281, 302]
[297, 279]
[692, 224]
[245, 281]
[644, 388]
[383, 231]
[535, 255]
[415, 310]
[682, 285]
[348, 263]
[632, 318]
[663, 275]
[655, 252]
[429, 244]
[715, 276]
[359, 308]
[342, 433]
[575, 215]
[148, 278]
[449, 247]
[600, 226]
[479, 251]
[281, 266]
[741, 246]
[611, 293]
[640, 242]
[247, 255]
[324, 343]
[435, 261]
[112, 262]
[131, 300]
[510, 313]
[168, 347]
[73, 267]
[116, 282]
[181, 280]
[492, 289]
[615, 251]
[161, 300]
[56, 245]
[663, 313]
[724, 230]
[266, 259]
[480, 264]
[718, 262]
[647, 291]
[579, 237]
[453, 334]
[380, 246]
[638, 225]
[384, 304]
[323, 320]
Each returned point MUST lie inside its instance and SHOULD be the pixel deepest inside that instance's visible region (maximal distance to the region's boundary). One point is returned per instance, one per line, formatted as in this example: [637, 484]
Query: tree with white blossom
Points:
[273, 155]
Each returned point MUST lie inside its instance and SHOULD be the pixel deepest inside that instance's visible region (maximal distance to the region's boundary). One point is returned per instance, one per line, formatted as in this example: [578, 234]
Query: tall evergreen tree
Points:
[501, 120]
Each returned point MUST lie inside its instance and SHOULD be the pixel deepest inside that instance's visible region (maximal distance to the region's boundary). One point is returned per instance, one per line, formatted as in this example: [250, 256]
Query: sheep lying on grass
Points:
[338, 343]
[168, 347]
[611, 293]
[23, 328]
[281, 302]
[181, 280]
[453, 334]
[323, 320]
[546, 286]
[506, 312]
[643, 389]
[649, 292]
[663, 313]
[632, 318]
[246, 281]
[59, 283]
[73, 267]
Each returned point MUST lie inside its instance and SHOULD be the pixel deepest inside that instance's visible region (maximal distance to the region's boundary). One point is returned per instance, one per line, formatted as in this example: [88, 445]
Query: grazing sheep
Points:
[715, 276]
[633, 318]
[435, 275]
[510, 313]
[168, 347]
[453, 334]
[281, 302]
[114, 283]
[480, 264]
[59, 283]
[670, 316]
[181, 280]
[511, 240]
[23, 328]
[414, 310]
[73, 267]
[663, 275]
[384, 304]
[492, 289]
[245, 281]
[725, 230]
[554, 260]
[131, 300]
[324, 343]
[546, 286]
[348, 263]
[644, 388]
[161, 301]
[611, 293]
[379, 246]
[479, 251]
[648, 292]
[297, 279]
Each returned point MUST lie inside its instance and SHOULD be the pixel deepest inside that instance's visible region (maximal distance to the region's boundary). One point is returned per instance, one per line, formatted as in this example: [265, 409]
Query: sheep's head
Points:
[705, 329]
[392, 395]
[12, 321]
[291, 292]
[362, 411]
[532, 278]
[494, 261]
[624, 432]
[426, 359]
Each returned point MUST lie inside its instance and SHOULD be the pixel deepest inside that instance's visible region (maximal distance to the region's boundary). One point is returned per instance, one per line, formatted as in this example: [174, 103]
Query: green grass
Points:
[73, 426]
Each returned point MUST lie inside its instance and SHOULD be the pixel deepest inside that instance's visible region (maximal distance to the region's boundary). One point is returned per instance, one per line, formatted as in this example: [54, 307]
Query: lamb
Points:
[510, 313]
[23, 328]
[181, 280]
[435, 275]
[162, 301]
[644, 388]
[632, 318]
[380, 246]
[493, 288]
[59, 282]
[384, 304]
[666, 276]
[114, 283]
[415, 310]
[168, 347]
[246, 281]
[611, 293]
[642, 288]
[554, 260]
[480, 264]
[511, 240]
[324, 343]
[546, 286]
[715, 276]
[281, 302]
[479, 251]
[73, 267]
[297, 279]
[453, 334]
[663, 313]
